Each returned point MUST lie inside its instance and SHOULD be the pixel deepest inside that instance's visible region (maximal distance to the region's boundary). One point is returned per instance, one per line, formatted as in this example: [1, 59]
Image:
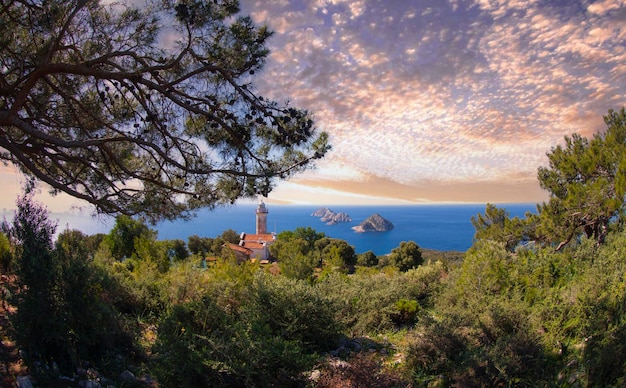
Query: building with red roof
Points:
[256, 246]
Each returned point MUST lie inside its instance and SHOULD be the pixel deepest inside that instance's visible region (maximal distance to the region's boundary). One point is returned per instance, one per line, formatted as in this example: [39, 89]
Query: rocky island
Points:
[373, 223]
[330, 217]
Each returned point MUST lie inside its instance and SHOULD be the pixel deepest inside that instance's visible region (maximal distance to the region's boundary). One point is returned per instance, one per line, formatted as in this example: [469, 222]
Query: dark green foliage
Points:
[406, 256]
[296, 311]
[605, 356]
[336, 254]
[62, 314]
[587, 184]
[302, 251]
[367, 259]
[177, 250]
[497, 347]
[138, 127]
[533, 317]
[42, 338]
[482, 335]
[368, 303]
[230, 236]
[496, 225]
[199, 245]
[91, 324]
[293, 262]
[406, 311]
[266, 342]
[6, 256]
[123, 237]
[436, 352]
[207, 246]
[309, 235]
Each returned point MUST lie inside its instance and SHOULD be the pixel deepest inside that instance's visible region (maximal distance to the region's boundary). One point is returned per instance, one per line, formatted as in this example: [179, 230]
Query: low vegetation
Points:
[531, 303]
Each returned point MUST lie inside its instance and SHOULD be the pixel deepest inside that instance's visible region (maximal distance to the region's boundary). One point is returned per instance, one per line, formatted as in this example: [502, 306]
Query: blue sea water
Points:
[441, 227]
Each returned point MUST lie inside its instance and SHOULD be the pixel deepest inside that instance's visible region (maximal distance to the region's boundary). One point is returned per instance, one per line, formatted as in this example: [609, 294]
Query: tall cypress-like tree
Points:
[37, 271]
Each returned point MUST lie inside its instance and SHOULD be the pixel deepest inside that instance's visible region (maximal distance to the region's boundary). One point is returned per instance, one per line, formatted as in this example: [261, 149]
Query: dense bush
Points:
[270, 340]
[406, 256]
[294, 310]
[533, 317]
[202, 345]
[6, 256]
[368, 303]
[62, 317]
[367, 259]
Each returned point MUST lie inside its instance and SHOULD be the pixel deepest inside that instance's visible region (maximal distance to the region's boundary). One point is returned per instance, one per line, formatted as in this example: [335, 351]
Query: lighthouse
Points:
[261, 218]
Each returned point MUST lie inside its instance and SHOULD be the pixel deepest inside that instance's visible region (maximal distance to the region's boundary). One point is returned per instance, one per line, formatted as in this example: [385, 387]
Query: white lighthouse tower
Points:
[261, 218]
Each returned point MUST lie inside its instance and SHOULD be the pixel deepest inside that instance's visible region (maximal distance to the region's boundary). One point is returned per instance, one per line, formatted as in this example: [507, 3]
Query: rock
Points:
[338, 217]
[147, 380]
[315, 375]
[127, 376]
[321, 212]
[23, 382]
[374, 223]
[330, 217]
[92, 384]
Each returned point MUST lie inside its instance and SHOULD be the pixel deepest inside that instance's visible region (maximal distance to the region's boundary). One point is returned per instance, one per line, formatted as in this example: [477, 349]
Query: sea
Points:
[445, 227]
[440, 227]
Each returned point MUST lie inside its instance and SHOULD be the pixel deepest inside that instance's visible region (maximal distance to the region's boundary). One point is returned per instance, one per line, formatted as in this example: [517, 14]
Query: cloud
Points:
[447, 92]
[381, 190]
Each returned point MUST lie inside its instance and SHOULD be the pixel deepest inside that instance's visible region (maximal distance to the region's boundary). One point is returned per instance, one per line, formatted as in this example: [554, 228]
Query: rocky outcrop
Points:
[321, 212]
[330, 217]
[373, 223]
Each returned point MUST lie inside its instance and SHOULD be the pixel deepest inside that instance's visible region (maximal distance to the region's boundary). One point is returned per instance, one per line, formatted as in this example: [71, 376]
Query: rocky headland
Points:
[374, 223]
[330, 217]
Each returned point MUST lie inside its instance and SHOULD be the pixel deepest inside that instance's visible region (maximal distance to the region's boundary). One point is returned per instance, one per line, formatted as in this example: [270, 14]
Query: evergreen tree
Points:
[406, 256]
[39, 298]
[145, 109]
[587, 184]
[497, 225]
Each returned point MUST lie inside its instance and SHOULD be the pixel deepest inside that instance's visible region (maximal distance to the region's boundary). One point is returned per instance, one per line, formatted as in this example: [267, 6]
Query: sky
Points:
[441, 101]
[433, 101]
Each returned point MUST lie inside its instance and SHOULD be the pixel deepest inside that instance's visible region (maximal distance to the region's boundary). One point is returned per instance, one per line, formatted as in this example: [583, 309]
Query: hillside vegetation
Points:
[537, 301]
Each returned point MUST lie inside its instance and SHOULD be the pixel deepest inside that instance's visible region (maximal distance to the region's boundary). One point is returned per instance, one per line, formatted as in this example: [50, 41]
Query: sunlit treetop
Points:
[145, 111]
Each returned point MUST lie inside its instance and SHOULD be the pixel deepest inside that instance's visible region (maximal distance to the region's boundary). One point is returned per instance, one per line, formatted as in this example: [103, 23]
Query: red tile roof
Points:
[259, 237]
[253, 244]
[241, 249]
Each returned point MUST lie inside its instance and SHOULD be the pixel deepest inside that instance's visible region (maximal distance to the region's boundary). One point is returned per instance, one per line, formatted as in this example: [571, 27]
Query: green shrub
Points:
[605, 357]
[366, 303]
[202, 345]
[406, 256]
[294, 310]
[6, 256]
[63, 314]
[367, 259]
[499, 347]
[406, 311]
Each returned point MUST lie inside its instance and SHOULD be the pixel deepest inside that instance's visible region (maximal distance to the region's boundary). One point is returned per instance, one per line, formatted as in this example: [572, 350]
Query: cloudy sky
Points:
[435, 100]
